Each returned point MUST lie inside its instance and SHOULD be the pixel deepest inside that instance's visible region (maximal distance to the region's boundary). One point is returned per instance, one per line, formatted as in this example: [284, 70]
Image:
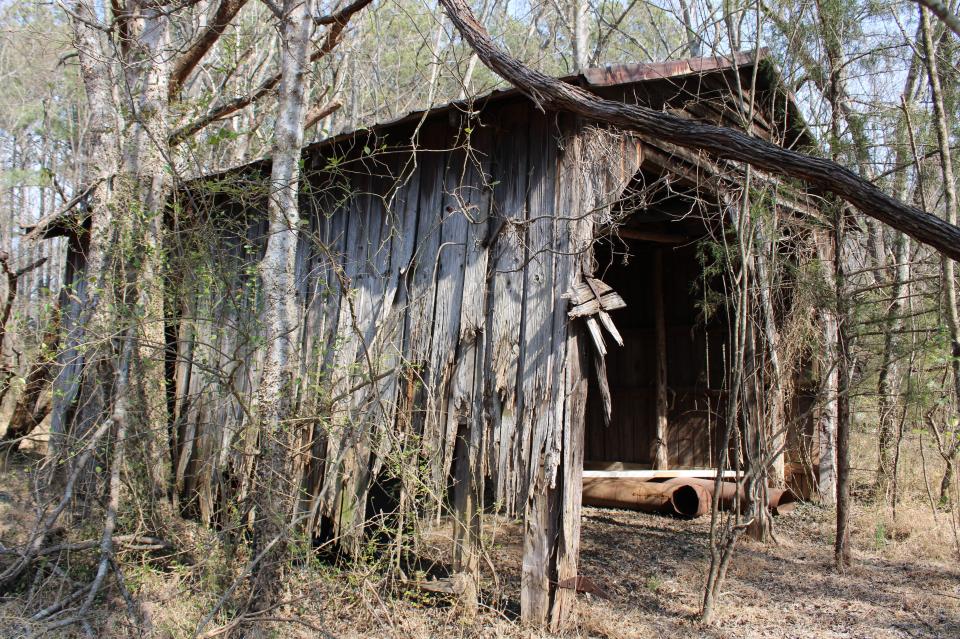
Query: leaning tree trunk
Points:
[27, 412]
[272, 500]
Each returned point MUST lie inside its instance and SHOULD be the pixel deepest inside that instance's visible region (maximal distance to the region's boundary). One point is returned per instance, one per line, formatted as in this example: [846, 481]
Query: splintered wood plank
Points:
[341, 458]
[472, 197]
[330, 249]
[610, 301]
[371, 415]
[401, 193]
[227, 360]
[505, 299]
[313, 245]
[539, 417]
[465, 409]
[423, 285]
[447, 311]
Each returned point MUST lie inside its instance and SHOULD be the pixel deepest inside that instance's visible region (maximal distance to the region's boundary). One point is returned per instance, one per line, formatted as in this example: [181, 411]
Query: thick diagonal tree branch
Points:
[719, 142]
[184, 66]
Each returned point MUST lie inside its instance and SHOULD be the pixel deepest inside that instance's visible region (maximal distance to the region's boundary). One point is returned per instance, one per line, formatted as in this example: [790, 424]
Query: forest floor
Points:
[905, 582]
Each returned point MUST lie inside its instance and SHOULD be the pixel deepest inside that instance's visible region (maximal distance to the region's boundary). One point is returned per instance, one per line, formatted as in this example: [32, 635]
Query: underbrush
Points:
[197, 585]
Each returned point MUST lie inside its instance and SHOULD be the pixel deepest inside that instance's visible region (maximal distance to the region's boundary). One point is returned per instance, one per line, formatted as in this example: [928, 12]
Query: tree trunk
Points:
[273, 502]
[693, 42]
[947, 274]
[775, 419]
[827, 417]
[27, 415]
[146, 184]
[842, 545]
[581, 34]
[947, 482]
[94, 326]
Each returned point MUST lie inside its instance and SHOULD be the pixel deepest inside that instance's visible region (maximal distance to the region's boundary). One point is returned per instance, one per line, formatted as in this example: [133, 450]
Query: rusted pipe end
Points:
[690, 501]
[782, 502]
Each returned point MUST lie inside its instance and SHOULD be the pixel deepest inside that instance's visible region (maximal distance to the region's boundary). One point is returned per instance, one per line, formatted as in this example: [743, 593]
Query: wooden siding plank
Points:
[423, 288]
[505, 300]
[451, 260]
[336, 500]
[465, 410]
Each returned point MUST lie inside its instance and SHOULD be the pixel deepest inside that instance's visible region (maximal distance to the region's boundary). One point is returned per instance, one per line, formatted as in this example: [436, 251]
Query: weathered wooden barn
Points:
[465, 274]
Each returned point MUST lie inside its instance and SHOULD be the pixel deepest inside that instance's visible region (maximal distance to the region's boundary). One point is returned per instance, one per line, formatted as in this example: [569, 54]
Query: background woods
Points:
[345, 296]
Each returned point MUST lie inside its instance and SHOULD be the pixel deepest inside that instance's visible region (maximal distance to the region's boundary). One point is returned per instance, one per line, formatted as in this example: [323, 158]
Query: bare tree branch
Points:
[319, 112]
[943, 12]
[719, 142]
[184, 66]
[337, 21]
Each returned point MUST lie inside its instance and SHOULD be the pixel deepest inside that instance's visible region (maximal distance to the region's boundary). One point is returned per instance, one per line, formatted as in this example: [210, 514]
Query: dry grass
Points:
[905, 581]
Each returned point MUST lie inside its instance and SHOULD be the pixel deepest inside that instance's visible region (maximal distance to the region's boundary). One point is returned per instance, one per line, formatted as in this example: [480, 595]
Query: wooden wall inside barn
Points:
[695, 366]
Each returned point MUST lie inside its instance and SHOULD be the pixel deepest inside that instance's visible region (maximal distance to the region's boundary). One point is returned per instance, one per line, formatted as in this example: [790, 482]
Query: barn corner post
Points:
[552, 522]
[552, 512]
[592, 168]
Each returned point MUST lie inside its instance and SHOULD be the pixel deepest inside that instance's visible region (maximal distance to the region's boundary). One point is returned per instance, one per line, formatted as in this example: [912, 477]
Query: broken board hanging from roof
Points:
[593, 299]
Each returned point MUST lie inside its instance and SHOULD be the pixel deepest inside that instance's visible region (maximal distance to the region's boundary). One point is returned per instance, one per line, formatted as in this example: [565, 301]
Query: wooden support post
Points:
[467, 495]
[570, 481]
[658, 452]
[552, 514]
[552, 523]
[539, 534]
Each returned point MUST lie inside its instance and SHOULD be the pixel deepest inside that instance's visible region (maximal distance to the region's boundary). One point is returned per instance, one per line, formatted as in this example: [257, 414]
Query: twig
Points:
[236, 583]
[43, 527]
[119, 417]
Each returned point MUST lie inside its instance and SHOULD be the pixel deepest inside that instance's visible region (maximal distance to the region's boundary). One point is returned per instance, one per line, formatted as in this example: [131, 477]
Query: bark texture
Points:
[272, 496]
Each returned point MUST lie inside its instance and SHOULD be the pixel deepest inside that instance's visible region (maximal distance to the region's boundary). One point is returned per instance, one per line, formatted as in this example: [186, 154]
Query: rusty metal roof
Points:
[616, 74]
[610, 75]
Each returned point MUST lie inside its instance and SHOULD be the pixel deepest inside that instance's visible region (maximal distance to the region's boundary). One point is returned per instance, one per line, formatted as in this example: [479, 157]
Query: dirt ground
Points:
[905, 583]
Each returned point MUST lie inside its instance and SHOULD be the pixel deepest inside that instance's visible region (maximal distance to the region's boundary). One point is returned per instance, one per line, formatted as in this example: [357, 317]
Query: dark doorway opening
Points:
[693, 344]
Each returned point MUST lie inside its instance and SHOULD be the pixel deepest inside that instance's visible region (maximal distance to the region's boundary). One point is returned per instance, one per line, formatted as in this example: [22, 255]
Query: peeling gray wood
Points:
[505, 300]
